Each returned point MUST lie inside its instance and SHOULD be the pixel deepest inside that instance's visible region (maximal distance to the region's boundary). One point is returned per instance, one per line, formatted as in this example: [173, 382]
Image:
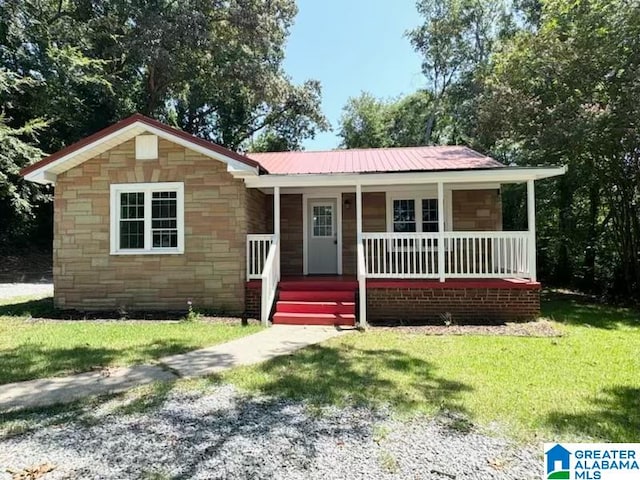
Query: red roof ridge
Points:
[368, 149]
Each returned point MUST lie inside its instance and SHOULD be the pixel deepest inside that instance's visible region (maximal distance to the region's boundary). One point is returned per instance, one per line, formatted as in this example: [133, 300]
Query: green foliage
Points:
[211, 68]
[455, 42]
[364, 122]
[368, 122]
[18, 199]
[564, 94]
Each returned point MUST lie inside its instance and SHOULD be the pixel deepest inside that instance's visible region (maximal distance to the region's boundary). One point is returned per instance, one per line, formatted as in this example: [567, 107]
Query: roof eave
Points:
[496, 175]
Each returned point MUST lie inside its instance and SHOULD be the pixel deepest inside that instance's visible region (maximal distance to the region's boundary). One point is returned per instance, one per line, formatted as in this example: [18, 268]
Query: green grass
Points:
[583, 385]
[33, 347]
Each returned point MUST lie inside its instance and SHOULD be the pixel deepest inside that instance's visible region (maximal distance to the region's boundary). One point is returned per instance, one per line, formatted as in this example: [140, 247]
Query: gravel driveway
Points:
[223, 434]
[10, 290]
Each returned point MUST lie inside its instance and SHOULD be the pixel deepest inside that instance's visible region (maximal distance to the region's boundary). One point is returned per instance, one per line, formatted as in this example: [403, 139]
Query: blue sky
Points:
[353, 46]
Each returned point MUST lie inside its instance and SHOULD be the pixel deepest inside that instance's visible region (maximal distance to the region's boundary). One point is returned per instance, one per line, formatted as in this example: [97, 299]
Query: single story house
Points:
[150, 217]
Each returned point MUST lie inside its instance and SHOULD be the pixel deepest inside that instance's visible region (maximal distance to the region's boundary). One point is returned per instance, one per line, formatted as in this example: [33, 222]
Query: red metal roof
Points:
[370, 160]
[405, 159]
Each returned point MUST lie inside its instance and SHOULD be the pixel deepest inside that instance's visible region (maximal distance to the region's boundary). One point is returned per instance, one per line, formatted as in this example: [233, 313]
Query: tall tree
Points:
[18, 199]
[455, 40]
[211, 67]
[563, 93]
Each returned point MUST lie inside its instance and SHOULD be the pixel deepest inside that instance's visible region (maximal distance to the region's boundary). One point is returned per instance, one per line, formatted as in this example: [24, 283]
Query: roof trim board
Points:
[494, 175]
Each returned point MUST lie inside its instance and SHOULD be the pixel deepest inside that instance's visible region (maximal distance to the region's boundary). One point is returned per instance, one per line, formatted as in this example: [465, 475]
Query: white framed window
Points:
[408, 214]
[147, 218]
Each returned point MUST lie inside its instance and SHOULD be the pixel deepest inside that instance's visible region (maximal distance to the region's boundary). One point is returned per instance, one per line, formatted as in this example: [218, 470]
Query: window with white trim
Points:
[406, 218]
[147, 218]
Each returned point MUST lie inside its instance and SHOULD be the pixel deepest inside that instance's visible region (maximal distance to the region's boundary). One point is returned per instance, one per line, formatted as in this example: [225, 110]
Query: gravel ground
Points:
[10, 290]
[222, 434]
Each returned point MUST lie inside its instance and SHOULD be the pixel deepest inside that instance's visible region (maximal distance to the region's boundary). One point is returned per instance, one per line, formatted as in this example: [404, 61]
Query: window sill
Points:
[172, 251]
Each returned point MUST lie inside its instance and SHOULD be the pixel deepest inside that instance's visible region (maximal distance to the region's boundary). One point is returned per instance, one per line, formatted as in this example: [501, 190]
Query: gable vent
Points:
[146, 147]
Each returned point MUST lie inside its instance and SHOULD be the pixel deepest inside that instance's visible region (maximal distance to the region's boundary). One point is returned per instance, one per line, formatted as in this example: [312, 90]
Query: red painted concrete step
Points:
[317, 296]
[282, 318]
[316, 307]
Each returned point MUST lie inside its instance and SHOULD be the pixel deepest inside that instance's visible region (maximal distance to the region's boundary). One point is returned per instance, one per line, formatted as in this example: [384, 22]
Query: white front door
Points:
[322, 236]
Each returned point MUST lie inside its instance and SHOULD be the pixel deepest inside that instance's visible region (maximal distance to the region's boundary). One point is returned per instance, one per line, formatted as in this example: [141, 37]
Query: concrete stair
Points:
[316, 302]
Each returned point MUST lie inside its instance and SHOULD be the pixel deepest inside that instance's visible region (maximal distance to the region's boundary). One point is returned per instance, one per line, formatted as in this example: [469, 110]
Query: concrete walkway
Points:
[272, 342]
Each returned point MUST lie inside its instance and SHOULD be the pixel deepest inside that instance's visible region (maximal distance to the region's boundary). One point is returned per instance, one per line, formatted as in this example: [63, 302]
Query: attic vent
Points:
[146, 147]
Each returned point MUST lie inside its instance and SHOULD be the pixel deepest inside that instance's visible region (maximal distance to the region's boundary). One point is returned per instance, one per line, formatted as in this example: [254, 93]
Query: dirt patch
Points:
[541, 328]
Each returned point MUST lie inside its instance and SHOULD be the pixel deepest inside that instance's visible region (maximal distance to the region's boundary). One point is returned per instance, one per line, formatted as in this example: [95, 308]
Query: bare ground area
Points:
[540, 328]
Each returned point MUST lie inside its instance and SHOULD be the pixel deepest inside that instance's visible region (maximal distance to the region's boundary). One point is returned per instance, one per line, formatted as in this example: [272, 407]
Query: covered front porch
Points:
[392, 234]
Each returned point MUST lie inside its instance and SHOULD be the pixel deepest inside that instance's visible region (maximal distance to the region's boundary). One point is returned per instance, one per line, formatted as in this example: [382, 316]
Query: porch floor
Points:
[352, 281]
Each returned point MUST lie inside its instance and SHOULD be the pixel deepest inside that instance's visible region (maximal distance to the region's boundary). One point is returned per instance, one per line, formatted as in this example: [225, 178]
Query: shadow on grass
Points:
[40, 308]
[31, 361]
[342, 375]
[576, 309]
[616, 417]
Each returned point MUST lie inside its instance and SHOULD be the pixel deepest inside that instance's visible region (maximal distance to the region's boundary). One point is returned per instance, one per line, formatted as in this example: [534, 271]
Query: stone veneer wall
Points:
[211, 272]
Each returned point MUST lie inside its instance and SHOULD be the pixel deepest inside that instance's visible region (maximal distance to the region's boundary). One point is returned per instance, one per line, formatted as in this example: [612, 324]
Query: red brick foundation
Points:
[436, 304]
[252, 298]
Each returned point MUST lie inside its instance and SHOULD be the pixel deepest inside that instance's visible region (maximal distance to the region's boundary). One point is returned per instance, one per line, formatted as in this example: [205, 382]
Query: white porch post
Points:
[531, 220]
[441, 246]
[276, 225]
[362, 280]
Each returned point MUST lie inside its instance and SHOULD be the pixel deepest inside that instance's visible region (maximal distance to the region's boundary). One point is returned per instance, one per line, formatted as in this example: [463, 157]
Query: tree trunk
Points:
[429, 128]
[589, 279]
[564, 267]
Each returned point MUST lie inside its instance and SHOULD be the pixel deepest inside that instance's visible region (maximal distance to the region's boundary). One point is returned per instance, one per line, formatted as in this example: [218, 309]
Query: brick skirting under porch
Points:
[252, 299]
[432, 302]
[462, 302]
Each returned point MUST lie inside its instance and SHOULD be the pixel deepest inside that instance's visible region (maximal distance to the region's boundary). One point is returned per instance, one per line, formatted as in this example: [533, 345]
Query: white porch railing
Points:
[401, 255]
[466, 255]
[270, 279]
[257, 250]
[362, 285]
[487, 254]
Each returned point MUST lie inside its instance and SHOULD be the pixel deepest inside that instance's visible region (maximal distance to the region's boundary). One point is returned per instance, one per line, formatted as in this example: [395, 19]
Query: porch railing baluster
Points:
[466, 254]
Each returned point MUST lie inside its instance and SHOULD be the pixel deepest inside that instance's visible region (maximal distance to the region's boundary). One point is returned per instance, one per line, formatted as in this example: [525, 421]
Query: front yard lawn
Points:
[585, 384]
[36, 347]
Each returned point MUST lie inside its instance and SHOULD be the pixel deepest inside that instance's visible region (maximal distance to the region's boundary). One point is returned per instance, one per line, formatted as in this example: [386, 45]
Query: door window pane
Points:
[322, 221]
